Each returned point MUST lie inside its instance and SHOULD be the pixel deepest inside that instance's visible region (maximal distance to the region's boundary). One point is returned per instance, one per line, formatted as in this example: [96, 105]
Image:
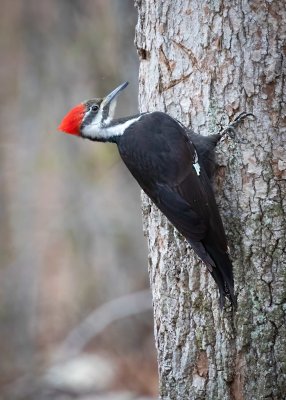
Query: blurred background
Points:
[75, 306]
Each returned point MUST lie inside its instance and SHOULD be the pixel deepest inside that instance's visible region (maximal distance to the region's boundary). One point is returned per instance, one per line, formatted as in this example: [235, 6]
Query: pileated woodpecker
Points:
[173, 166]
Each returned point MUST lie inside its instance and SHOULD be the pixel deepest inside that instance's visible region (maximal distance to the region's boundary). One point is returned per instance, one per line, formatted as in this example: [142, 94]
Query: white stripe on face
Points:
[96, 130]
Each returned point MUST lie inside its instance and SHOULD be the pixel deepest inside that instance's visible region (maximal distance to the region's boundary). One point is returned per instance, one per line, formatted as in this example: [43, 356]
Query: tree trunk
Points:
[203, 62]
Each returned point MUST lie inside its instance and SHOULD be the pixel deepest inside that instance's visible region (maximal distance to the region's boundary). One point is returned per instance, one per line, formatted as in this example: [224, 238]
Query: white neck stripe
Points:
[95, 130]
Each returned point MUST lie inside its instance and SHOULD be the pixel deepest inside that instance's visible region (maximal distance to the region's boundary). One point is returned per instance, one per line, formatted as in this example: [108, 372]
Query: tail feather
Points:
[222, 274]
[220, 267]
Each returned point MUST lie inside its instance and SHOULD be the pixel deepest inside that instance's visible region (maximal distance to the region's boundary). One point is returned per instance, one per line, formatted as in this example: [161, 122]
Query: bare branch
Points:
[100, 318]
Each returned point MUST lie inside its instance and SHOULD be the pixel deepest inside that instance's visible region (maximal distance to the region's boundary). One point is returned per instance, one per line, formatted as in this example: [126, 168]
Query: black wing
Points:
[161, 157]
[205, 146]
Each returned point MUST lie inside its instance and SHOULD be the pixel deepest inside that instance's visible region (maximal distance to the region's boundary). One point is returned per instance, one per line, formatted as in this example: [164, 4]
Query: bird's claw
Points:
[230, 129]
[243, 115]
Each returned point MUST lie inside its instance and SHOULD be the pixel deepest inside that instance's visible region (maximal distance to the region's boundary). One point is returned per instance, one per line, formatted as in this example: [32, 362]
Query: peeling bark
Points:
[203, 62]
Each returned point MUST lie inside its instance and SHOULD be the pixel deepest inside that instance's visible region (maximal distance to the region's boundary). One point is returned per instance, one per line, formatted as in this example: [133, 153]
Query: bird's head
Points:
[90, 118]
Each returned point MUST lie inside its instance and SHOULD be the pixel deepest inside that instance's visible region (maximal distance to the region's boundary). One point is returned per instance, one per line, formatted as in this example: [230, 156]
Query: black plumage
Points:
[174, 167]
[163, 157]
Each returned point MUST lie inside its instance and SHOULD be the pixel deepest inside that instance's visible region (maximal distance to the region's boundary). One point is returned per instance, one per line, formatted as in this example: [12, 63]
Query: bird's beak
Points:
[108, 99]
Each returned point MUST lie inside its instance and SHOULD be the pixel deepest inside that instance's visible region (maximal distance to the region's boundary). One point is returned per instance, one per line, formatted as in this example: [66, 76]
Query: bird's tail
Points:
[222, 274]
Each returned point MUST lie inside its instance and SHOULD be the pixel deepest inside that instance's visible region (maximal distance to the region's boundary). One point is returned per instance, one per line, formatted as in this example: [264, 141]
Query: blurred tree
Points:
[68, 243]
[203, 62]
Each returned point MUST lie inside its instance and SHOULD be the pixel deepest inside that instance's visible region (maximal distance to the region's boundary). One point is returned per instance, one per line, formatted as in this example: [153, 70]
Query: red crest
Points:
[72, 121]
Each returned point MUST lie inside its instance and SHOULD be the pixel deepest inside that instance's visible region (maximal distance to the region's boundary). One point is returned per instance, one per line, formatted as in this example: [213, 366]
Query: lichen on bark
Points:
[203, 62]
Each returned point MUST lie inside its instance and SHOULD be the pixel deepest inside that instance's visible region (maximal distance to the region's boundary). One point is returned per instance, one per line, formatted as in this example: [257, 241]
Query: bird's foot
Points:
[230, 129]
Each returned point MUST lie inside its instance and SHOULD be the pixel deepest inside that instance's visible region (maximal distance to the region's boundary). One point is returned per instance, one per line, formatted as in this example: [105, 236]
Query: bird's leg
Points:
[230, 129]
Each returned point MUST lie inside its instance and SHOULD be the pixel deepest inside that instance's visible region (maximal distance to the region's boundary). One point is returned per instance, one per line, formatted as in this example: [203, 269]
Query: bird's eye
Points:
[94, 107]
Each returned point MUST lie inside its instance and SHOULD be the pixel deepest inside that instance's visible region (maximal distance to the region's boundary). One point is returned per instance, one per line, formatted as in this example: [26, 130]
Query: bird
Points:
[174, 166]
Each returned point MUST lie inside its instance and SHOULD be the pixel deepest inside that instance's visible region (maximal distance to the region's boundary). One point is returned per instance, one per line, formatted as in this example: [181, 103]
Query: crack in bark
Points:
[237, 385]
[250, 195]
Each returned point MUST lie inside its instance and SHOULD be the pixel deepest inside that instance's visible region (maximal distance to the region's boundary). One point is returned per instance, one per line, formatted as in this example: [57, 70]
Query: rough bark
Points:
[203, 62]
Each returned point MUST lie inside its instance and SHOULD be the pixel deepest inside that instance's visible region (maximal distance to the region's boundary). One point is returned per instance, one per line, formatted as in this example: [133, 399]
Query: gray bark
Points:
[203, 62]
